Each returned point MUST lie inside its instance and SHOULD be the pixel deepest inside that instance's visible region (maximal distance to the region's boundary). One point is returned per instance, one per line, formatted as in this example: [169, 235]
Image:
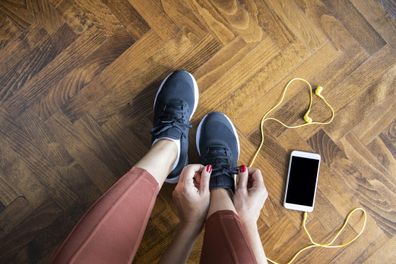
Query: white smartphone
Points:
[302, 180]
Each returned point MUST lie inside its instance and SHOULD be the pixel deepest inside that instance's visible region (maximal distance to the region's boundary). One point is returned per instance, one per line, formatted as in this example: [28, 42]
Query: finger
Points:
[188, 173]
[180, 182]
[242, 178]
[250, 177]
[197, 180]
[257, 178]
[205, 178]
[250, 182]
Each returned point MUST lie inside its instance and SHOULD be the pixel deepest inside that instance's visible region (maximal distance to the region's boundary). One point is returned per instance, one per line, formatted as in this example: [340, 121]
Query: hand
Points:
[250, 195]
[192, 195]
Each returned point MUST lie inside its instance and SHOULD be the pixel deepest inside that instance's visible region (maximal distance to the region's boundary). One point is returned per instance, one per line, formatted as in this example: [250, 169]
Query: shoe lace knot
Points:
[173, 115]
[219, 157]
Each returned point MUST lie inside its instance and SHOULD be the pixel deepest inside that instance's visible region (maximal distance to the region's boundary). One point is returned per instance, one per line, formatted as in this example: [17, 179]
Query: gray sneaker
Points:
[218, 144]
[174, 105]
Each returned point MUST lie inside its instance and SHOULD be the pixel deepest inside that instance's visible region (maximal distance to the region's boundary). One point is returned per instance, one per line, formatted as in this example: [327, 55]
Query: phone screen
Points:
[302, 181]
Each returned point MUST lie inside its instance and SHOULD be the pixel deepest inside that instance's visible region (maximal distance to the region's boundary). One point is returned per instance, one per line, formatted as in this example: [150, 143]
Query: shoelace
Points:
[172, 116]
[220, 160]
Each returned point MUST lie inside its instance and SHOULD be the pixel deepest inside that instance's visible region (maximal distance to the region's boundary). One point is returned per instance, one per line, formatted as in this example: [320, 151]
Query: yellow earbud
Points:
[307, 118]
[318, 91]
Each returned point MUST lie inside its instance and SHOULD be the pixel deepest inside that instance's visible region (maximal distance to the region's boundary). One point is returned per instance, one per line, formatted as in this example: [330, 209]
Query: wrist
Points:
[193, 222]
[192, 228]
[249, 223]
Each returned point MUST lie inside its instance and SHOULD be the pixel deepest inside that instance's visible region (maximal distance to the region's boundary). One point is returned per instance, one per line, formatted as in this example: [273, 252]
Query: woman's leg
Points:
[111, 231]
[225, 239]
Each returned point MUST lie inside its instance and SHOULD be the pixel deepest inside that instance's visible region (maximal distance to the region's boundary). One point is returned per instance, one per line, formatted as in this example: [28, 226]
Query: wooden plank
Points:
[386, 253]
[80, 76]
[231, 18]
[156, 17]
[31, 156]
[65, 133]
[53, 73]
[379, 19]
[296, 20]
[24, 71]
[129, 17]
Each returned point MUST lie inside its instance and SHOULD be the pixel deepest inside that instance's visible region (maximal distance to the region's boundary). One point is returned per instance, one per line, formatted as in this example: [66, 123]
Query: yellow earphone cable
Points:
[308, 121]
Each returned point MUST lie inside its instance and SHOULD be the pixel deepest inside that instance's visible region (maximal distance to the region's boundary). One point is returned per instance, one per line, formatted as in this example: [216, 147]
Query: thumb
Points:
[205, 178]
[258, 181]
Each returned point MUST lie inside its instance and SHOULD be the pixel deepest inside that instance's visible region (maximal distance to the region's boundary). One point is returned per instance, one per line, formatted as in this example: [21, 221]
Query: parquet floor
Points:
[77, 80]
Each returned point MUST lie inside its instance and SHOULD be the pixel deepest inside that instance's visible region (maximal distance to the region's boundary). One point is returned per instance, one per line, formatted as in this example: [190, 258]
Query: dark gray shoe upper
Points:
[174, 105]
[218, 145]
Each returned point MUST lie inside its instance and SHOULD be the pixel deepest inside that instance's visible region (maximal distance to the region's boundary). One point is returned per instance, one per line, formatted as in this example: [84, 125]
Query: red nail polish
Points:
[243, 168]
[209, 168]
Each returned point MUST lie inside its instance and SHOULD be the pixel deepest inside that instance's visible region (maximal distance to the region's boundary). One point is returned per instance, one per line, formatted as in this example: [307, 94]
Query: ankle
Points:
[159, 160]
[168, 145]
[221, 193]
[220, 199]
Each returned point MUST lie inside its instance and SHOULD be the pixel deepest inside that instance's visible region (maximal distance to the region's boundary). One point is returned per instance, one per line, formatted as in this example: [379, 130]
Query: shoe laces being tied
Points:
[173, 115]
[219, 157]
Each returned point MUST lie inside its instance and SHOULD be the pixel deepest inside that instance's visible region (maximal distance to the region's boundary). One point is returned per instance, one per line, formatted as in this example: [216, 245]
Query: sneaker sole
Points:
[198, 136]
[196, 99]
[174, 180]
[196, 93]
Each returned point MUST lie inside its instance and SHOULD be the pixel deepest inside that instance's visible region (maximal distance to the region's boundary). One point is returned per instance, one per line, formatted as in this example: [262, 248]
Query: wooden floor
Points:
[77, 80]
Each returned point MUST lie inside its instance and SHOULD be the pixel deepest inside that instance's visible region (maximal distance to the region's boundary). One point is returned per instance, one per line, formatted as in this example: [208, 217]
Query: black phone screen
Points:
[302, 181]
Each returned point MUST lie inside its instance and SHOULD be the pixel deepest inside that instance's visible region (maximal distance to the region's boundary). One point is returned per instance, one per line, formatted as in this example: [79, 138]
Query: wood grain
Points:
[77, 81]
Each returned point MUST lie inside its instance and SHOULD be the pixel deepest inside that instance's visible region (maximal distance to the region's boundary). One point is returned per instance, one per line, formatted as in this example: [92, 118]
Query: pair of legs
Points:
[111, 231]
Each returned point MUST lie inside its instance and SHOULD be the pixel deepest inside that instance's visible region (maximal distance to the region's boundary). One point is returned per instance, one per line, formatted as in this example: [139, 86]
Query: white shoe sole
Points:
[173, 180]
[198, 136]
[196, 99]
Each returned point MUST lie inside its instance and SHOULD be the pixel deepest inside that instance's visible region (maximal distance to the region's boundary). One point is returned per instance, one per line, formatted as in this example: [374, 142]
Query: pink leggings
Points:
[111, 231]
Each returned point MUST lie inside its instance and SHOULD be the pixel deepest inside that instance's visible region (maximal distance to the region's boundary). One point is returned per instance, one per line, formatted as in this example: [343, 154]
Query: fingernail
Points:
[209, 168]
[243, 168]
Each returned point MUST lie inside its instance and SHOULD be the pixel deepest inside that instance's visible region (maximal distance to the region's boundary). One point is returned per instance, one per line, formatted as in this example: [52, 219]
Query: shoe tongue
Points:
[218, 158]
[173, 110]
[222, 174]
[171, 121]
[174, 105]
[216, 152]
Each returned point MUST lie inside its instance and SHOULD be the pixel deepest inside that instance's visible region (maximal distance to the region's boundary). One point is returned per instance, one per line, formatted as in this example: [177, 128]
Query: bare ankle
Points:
[160, 159]
[220, 199]
[165, 143]
[221, 193]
